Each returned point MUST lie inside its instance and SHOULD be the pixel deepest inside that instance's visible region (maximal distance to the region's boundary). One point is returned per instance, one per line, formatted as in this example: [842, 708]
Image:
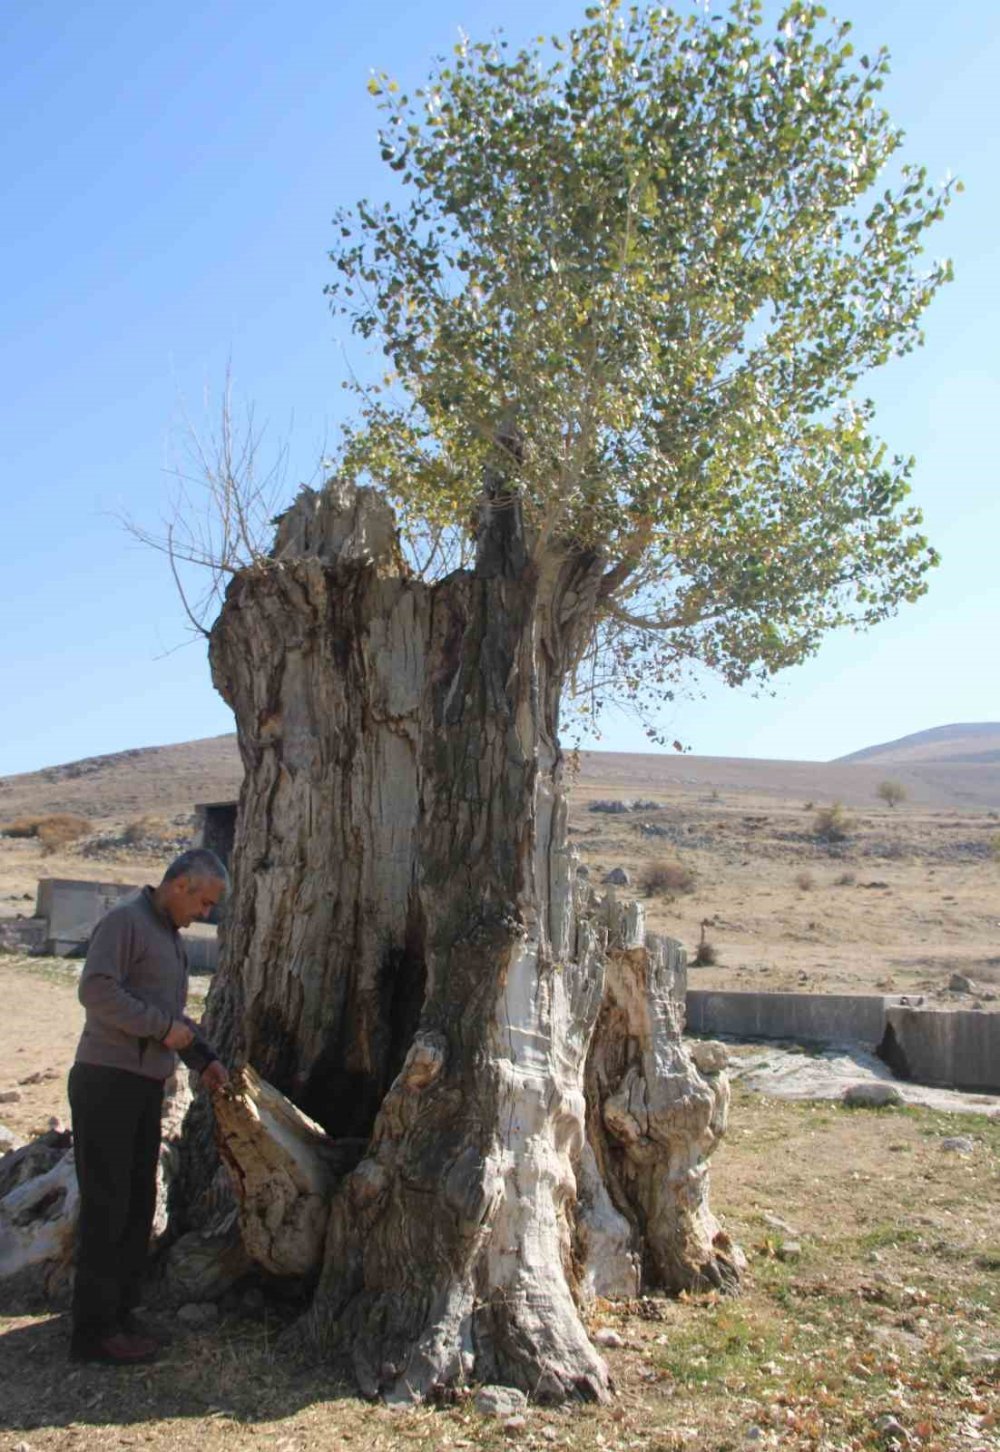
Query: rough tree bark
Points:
[411, 959]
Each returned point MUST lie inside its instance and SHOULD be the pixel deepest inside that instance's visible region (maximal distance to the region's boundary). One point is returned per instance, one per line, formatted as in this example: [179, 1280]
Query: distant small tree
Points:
[891, 792]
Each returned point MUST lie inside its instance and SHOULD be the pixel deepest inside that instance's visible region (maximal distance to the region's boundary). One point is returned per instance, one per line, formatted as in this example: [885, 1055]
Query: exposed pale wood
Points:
[279, 1162]
[37, 1228]
[409, 960]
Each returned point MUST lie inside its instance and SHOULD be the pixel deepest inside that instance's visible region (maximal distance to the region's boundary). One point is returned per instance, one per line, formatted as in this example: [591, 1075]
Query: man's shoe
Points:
[117, 1348]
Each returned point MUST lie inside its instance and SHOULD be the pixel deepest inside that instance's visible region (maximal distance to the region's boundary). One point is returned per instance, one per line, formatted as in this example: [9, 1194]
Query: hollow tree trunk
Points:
[410, 958]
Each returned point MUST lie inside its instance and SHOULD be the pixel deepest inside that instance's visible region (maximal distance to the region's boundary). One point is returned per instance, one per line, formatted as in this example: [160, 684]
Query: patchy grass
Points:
[885, 1310]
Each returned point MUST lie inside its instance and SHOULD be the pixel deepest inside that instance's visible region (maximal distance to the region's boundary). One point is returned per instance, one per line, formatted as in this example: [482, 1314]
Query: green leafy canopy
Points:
[661, 252]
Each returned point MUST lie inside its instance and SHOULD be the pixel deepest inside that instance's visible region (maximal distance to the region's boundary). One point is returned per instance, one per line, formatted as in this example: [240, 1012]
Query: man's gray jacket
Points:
[134, 984]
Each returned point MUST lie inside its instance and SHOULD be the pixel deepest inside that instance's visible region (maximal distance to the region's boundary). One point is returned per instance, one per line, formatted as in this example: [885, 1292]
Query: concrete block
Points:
[804, 1017]
[956, 1048]
[73, 909]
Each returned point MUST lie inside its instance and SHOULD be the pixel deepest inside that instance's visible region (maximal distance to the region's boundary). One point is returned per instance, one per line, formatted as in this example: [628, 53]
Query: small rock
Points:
[709, 1056]
[8, 1140]
[514, 1426]
[10, 1096]
[892, 1431]
[499, 1401]
[789, 1250]
[21, 1447]
[618, 877]
[959, 1144]
[871, 1095]
[754, 1434]
[39, 1076]
[776, 1222]
[959, 983]
[582, 870]
[606, 1336]
[199, 1314]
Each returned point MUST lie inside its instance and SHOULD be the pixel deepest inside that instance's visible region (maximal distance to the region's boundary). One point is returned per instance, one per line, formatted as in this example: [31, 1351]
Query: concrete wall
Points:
[959, 1048]
[73, 909]
[806, 1017]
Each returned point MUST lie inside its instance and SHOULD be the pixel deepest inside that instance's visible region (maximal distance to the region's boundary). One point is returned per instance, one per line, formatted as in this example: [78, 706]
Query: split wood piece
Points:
[37, 1230]
[283, 1169]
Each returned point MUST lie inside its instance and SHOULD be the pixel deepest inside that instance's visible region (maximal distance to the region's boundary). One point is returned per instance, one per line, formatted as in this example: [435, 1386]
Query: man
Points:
[134, 988]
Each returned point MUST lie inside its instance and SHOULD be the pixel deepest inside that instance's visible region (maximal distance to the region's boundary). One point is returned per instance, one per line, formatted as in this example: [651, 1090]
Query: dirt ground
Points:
[908, 898]
[869, 1319]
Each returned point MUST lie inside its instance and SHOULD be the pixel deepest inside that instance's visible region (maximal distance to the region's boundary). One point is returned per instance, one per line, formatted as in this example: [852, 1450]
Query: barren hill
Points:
[170, 779]
[972, 743]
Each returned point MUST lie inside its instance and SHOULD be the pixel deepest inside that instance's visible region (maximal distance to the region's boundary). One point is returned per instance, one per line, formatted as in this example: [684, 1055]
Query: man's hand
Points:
[178, 1036]
[214, 1075]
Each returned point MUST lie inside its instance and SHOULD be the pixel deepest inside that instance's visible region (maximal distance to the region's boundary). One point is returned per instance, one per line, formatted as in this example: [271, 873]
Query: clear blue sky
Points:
[170, 172]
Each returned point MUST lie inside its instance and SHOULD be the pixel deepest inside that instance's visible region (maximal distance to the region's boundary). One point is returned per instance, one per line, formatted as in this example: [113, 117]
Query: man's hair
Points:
[197, 862]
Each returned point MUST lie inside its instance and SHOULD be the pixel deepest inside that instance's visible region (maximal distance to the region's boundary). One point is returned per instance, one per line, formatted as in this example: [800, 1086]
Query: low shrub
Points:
[146, 829]
[56, 830]
[805, 882]
[846, 879]
[60, 830]
[832, 824]
[667, 877]
[705, 955]
[21, 827]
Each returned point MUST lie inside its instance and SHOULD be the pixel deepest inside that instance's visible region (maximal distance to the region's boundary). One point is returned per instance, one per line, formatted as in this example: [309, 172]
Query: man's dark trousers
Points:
[116, 1142]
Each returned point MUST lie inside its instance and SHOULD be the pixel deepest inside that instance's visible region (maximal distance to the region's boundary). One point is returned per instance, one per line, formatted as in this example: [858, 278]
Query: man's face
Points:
[191, 898]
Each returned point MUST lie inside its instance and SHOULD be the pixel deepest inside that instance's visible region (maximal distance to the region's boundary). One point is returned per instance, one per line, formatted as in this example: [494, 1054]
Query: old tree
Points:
[622, 300]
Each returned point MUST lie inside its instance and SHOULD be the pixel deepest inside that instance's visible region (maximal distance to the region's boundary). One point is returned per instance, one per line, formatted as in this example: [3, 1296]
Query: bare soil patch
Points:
[872, 1304]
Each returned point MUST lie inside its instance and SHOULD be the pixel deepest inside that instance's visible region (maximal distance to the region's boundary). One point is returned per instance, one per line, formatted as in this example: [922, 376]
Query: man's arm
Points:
[102, 988]
[202, 1058]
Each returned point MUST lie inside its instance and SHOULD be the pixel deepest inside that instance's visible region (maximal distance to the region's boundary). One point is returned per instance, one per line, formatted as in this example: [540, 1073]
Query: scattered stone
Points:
[614, 808]
[10, 1096]
[8, 1140]
[514, 1426]
[618, 877]
[959, 983]
[582, 870]
[871, 1096]
[892, 1431]
[199, 1314]
[499, 1401]
[709, 1055]
[959, 1144]
[39, 1076]
[21, 1447]
[789, 1250]
[754, 1434]
[776, 1223]
[609, 1338]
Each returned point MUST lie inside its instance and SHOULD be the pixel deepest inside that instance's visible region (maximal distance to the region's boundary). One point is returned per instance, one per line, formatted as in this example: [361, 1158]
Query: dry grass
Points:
[147, 829]
[885, 1311]
[54, 831]
[832, 824]
[666, 876]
